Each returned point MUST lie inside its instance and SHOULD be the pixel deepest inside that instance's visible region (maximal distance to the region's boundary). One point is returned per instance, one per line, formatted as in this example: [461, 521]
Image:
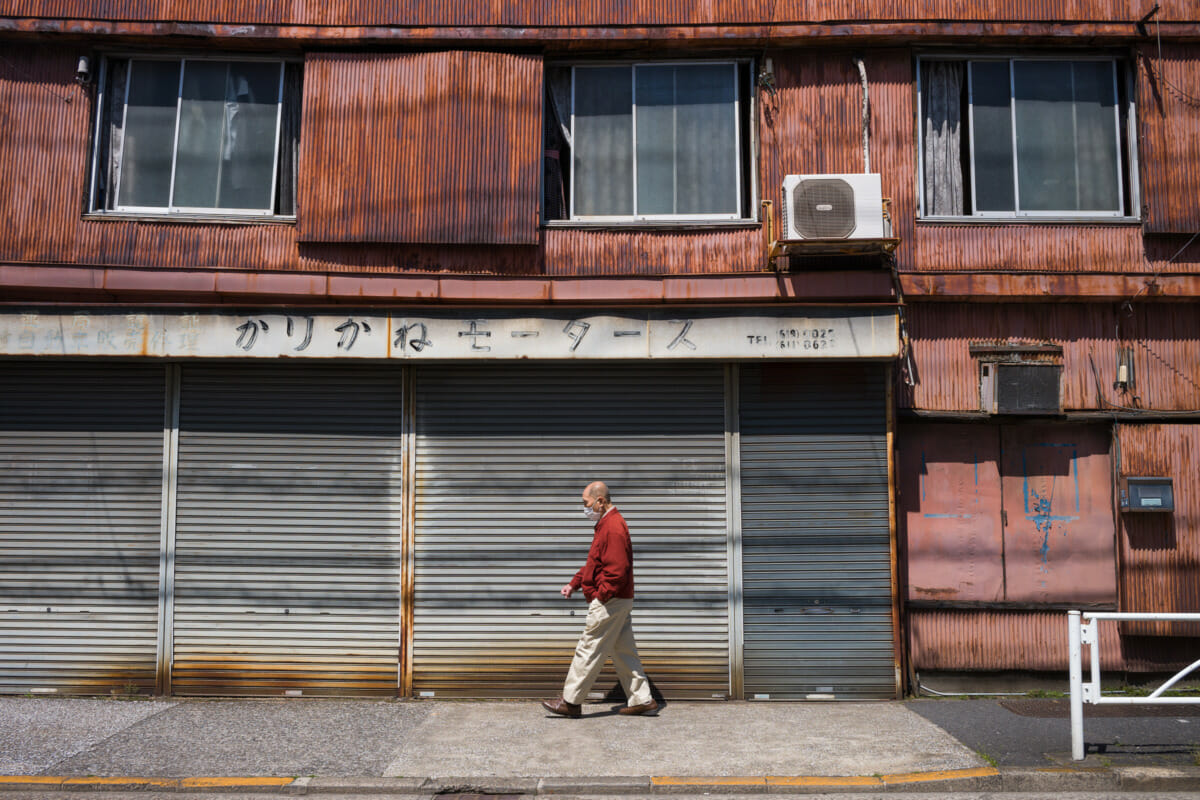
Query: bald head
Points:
[596, 489]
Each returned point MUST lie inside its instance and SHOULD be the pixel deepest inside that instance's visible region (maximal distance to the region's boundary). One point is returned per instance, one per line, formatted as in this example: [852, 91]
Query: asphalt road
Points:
[1022, 732]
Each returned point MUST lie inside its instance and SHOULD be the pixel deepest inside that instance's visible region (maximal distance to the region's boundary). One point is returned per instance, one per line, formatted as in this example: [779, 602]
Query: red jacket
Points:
[608, 572]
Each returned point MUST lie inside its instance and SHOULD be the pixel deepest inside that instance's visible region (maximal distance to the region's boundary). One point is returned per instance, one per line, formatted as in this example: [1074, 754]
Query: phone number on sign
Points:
[806, 338]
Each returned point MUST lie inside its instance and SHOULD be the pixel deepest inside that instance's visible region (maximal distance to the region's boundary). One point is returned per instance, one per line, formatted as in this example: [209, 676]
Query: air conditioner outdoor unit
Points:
[833, 207]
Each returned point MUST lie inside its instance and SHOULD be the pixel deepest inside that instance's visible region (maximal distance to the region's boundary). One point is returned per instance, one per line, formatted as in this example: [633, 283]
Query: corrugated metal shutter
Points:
[288, 532]
[81, 453]
[503, 453]
[816, 553]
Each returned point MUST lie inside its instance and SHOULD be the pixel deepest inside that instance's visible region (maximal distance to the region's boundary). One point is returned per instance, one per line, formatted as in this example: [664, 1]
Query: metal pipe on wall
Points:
[866, 114]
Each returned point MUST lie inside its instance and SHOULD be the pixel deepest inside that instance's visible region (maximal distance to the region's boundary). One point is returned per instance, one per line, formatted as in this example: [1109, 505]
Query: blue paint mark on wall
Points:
[924, 469]
[1044, 521]
[1039, 508]
[947, 516]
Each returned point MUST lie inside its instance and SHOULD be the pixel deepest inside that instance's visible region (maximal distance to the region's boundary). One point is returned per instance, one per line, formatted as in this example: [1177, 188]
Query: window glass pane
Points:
[603, 158]
[1045, 125]
[248, 149]
[686, 139]
[656, 131]
[227, 129]
[991, 121]
[149, 134]
[1096, 136]
[201, 115]
[706, 140]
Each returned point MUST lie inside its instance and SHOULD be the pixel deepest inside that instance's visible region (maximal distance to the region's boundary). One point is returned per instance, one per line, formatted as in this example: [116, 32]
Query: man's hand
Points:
[566, 591]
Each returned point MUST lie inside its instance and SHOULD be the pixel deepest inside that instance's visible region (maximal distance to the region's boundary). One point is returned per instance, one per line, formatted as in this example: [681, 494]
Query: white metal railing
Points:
[1081, 632]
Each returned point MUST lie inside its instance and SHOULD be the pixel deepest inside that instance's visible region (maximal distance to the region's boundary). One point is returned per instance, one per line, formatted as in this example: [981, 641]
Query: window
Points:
[660, 141]
[201, 136]
[1023, 137]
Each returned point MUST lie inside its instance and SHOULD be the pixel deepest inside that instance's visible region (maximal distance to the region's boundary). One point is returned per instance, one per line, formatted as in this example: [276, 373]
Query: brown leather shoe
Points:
[562, 707]
[644, 708]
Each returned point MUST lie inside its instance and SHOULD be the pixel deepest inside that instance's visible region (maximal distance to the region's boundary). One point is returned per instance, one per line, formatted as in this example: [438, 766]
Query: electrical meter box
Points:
[1147, 494]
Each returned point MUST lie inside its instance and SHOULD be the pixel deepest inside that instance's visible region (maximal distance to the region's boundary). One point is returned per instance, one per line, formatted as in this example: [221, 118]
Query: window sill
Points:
[1001, 221]
[187, 219]
[656, 225]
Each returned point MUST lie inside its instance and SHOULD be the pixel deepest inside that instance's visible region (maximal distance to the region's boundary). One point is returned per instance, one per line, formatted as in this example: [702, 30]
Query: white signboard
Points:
[481, 334]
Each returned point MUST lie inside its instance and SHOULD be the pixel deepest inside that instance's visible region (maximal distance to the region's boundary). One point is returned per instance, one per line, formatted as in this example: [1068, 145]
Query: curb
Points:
[982, 779]
[91, 784]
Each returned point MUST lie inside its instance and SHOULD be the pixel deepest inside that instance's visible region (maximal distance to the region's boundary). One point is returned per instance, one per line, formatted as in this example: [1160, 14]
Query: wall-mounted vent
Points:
[1020, 388]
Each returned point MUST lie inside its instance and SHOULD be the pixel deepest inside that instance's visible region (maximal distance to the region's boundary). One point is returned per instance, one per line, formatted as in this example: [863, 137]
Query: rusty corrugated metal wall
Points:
[593, 12]
[421, 147]
[813, 124]
[1165, 338]
[976, 639]
[44, 158]
[1160, 552]
[340, 200]
[1045, 248]
[571, 251]
[42, 141]
[1169, 113]
[941, 247]
[972, 640]
[810, 126]
[44, 152]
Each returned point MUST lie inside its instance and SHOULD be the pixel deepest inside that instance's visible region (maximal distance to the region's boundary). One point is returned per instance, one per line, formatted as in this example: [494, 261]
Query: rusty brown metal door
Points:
[1059, 545]
[1017, 514]
[948, 484]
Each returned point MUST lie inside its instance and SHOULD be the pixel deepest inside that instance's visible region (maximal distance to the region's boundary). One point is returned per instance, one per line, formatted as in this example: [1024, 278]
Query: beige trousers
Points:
[608, 632]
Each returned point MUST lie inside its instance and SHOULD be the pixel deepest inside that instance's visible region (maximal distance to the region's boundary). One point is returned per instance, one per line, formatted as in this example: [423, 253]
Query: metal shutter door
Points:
[288, 533]
[816, 550]
[503, 453]
[81, 473]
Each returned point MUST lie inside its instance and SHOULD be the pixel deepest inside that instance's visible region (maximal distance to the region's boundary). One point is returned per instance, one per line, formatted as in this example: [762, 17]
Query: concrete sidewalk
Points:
[427, 747]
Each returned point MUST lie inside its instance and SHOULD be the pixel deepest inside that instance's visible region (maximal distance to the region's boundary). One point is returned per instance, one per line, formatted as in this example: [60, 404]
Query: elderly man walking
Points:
[607, 583]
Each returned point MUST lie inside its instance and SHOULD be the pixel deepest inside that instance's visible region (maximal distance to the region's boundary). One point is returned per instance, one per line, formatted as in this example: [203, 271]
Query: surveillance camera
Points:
[83, 70]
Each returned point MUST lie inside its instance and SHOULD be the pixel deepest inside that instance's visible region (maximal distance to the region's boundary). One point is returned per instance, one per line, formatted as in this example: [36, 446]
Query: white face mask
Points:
[591, 514]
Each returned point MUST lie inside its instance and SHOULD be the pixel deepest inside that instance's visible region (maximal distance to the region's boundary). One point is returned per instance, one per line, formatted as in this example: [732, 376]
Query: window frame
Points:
[745, 148]
[171, 211]
[1126, 139]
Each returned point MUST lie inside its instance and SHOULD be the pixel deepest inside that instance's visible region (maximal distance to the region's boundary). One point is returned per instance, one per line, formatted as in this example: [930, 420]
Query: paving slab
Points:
[282, 738]
[520, 739]
[38, 732]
